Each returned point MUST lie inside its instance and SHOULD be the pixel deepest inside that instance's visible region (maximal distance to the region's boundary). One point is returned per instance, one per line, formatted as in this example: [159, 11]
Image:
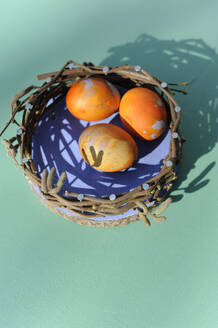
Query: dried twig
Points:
[146, 211]
[47, 181]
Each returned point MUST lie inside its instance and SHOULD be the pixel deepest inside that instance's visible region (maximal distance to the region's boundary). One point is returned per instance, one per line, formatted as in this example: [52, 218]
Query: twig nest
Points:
[140, 202]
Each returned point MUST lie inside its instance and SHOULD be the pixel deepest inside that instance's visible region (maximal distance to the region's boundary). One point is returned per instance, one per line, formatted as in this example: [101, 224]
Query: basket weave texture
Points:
[32, 103]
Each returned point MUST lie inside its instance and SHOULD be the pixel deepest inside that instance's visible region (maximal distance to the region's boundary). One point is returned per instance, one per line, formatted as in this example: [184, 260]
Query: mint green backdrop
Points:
[58, 274]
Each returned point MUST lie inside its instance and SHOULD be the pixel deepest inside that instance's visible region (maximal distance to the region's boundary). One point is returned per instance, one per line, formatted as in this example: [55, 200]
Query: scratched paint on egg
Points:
[92, 140]
[112, 88]
[88, 83]
[88, 88]
[102, 145]
[159, 103]
[158, 125]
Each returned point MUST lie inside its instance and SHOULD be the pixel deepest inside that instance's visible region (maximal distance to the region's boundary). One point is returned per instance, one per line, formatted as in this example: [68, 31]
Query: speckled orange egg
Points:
[92, 99]
[107, 147]
[143, 113]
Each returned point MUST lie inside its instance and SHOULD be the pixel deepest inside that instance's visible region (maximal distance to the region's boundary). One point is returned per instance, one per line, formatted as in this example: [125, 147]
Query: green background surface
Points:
[54, 273]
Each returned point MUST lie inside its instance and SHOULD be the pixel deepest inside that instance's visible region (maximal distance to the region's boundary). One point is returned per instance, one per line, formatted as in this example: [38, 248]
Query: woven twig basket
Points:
[32, 103]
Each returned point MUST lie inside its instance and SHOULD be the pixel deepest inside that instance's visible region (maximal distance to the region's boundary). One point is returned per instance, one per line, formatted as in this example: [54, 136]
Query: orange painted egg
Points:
[143, 112]
[107, 147]
[92, 99]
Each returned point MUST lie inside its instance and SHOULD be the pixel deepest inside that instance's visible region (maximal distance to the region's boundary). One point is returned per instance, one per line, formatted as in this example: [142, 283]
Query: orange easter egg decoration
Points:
[92, 99]
[143, 112]
[107, 147]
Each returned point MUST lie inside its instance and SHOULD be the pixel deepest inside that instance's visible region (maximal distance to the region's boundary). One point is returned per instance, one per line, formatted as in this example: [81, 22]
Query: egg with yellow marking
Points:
[92, 99]
[143, 112]
[107, 147]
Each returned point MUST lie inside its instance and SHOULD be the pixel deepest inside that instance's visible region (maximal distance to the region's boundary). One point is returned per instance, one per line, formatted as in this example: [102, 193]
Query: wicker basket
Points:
[86, 209]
